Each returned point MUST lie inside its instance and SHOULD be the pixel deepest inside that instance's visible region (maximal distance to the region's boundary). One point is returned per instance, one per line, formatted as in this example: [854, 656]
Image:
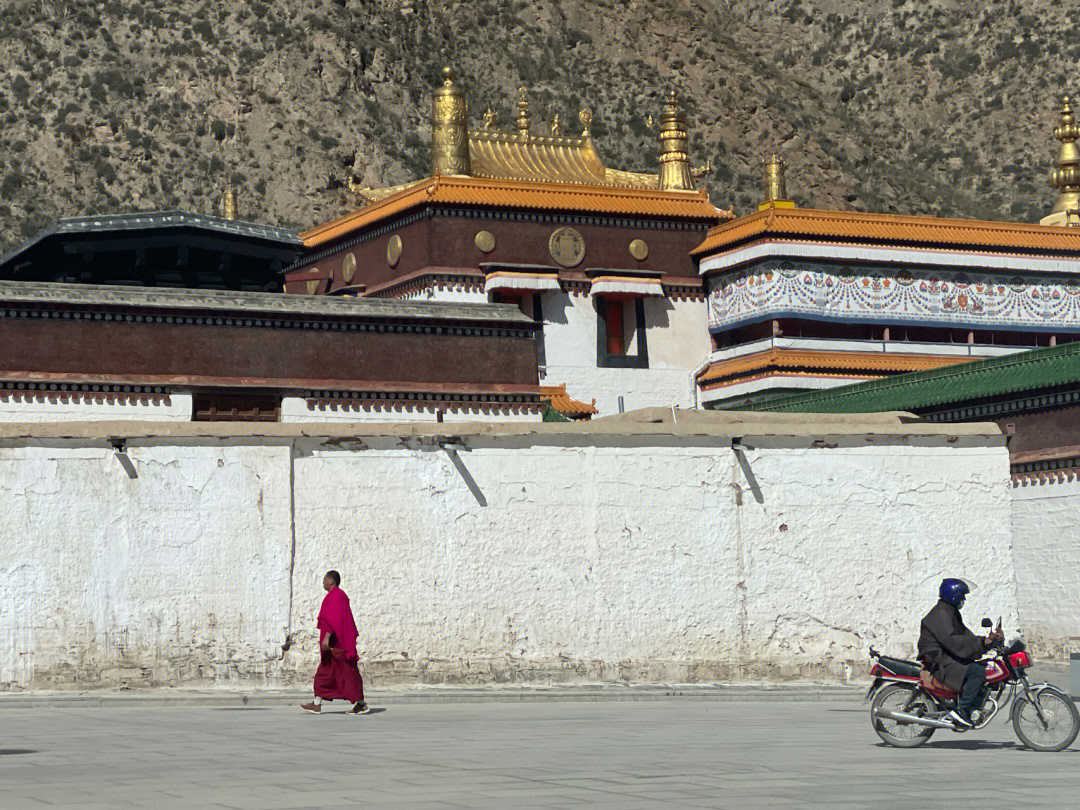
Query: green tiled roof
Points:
[978, 379]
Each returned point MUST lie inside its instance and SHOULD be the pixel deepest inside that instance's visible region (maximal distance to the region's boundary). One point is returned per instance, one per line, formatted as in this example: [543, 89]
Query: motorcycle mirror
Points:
[987, 623]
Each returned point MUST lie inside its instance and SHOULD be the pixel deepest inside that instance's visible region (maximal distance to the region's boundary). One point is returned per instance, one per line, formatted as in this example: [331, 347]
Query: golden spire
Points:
[230, 203]
[556, 126]
[449, 124]
[674, 160]
[585, 117]
[523, 114]
[1066, 177]
[775, 185]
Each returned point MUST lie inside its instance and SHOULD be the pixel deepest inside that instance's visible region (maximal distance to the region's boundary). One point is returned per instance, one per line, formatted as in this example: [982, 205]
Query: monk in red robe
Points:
[338, 677]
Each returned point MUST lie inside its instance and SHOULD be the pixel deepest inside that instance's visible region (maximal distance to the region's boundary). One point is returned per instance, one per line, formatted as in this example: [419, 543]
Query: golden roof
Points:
[527, 195]
[818, 362]
[522, 155]
[559, 400]
[809, 225]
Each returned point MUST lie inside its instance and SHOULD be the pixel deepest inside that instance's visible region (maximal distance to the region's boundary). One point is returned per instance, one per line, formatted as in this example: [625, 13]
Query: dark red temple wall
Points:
[1046, 430]
[444, 241]
[453, 243]
[139, 349]
[372, 269]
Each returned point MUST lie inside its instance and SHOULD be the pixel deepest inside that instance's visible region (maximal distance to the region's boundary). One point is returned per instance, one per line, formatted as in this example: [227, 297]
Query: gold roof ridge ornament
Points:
[449, 128]
[523, 156]
[523, 114]
[775, 184]
[674, 148]
[1066, 175]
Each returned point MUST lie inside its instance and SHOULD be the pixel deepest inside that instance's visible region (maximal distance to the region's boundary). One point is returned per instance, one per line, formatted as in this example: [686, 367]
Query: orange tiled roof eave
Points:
[854, 362]
[562, 402]
[811, 225]
[517, 194]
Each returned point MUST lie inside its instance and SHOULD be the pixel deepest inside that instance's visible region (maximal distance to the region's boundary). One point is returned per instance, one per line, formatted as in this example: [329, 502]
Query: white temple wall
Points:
[297, 409]
[1046, 535]
[71, 407]
[548, 558]
[677, 341]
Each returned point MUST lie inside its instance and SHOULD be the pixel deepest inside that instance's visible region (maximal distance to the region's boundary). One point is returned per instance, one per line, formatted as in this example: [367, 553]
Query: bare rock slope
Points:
[913, 106]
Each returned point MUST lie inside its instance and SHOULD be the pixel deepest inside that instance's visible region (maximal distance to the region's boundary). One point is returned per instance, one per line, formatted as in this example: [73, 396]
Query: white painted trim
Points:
[878, 346]
[799, 382]
[627, 286]
[903, 256]
[521, 282]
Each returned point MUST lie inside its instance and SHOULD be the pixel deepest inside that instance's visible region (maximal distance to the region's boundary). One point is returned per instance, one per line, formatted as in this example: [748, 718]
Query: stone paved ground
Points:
[674, 753]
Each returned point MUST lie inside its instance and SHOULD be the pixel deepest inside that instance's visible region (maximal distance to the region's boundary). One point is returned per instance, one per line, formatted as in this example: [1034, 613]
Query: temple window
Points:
[621, 332]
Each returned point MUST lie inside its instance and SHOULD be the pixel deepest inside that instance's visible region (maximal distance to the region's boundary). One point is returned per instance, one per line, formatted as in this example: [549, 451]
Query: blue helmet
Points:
[953, 591]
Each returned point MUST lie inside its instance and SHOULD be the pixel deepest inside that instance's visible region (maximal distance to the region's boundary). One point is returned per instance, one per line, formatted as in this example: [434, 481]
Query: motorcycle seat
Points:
[898, 666]
[934, 686]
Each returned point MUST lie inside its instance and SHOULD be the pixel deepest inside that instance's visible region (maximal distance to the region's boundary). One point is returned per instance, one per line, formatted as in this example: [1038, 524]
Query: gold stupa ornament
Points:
[523, 123]
[775, 184]
[449, 128]
[230, 204]
[1066, 176]
[674, 148]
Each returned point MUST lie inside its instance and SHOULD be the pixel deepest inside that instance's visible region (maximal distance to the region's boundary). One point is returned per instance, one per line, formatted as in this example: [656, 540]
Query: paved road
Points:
[676, 753]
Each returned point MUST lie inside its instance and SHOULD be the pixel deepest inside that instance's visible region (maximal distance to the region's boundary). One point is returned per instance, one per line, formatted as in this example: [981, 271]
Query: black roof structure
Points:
[157, 249]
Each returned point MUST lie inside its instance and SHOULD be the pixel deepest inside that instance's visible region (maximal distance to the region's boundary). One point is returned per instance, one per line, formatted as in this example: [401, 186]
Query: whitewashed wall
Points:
[677, 340]
[1046, 534]
[297, 409]
[524, 558]
[75, 407]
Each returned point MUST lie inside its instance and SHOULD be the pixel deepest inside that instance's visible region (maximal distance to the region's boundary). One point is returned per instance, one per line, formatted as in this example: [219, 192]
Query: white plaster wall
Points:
[520, 559]
[639, 562]
[180, 574]
[677, 339]
[295, 409]
[78, 409]
[1046, 532]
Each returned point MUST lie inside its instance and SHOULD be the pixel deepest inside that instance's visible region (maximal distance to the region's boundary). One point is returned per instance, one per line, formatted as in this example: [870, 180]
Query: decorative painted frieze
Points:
[887, 295]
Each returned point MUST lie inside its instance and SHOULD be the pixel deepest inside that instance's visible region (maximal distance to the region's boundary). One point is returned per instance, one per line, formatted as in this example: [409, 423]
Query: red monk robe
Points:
[338, 677]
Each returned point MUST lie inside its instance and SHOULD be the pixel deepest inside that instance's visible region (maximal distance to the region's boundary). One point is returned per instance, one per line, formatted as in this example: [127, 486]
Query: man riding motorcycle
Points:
[949, 650]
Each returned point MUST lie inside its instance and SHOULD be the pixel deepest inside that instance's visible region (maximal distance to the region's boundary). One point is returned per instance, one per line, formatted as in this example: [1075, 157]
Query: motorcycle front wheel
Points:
[1061, 726]
[898, 698]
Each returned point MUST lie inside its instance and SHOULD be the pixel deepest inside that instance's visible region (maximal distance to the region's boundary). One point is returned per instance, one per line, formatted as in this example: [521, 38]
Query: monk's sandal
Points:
[361, 708]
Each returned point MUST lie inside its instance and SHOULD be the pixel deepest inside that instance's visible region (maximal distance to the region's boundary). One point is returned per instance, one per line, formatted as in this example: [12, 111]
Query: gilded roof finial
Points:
[556, 126]
[489, 120]
[449, 128]
[674, 158]
[523, 114]
[230, 203]
[775, 185]
[585, 117]
[1066, 176]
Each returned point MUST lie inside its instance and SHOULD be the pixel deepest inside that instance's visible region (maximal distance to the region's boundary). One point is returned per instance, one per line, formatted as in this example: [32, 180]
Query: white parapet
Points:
[78, 406]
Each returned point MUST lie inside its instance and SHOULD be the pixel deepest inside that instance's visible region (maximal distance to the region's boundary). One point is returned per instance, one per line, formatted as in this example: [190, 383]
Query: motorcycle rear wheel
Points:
[1063, 721]
[895, 697]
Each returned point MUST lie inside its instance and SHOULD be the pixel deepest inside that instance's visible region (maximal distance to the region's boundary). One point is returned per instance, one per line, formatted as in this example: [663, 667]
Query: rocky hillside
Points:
[891, 105]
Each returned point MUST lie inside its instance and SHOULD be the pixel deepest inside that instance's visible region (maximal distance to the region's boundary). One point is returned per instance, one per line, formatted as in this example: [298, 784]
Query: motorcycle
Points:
[909, 705]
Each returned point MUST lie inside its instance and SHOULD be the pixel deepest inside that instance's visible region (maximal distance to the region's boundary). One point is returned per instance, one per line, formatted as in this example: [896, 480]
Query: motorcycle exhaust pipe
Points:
[911, 719]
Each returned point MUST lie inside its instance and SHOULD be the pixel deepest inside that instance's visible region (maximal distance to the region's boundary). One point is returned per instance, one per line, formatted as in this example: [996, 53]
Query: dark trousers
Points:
[974, 679]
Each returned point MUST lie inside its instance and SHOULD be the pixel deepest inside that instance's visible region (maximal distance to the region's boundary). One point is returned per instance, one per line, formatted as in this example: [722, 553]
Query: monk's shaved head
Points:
[335, 576]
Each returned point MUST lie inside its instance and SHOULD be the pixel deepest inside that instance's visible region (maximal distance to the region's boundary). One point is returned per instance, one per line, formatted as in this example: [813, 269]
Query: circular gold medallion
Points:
[485, 241]
[348, 268]
[312, 286]
[567, 247]
[393, 250]
[639, 250]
